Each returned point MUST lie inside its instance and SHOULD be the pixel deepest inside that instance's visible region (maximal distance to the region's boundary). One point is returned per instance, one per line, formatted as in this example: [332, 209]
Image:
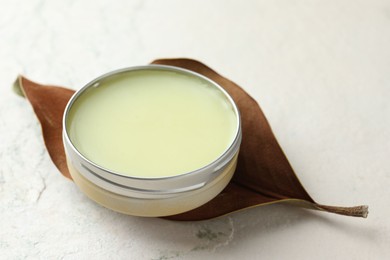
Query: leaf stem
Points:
[357, 211]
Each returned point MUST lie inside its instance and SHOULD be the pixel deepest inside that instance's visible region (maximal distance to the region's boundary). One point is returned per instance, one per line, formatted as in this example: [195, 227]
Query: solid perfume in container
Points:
[151, 140]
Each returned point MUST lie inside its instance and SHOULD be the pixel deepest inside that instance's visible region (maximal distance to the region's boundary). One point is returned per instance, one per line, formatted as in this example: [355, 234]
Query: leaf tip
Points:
[17, 87]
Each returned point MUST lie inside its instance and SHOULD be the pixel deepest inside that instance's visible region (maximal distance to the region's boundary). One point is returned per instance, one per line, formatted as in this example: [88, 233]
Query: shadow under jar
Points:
[151, 140]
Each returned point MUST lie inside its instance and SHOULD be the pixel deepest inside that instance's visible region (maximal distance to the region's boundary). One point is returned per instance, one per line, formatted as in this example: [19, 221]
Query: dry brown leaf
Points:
[263, 174]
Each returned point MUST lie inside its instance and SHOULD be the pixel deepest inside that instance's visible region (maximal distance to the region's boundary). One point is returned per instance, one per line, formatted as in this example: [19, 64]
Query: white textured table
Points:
[319, 69]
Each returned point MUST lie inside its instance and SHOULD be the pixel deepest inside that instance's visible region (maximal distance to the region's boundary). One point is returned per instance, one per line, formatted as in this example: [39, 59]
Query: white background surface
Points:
[319, 69]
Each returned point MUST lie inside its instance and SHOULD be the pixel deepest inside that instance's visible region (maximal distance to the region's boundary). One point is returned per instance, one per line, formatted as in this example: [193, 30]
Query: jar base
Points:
[161, 207]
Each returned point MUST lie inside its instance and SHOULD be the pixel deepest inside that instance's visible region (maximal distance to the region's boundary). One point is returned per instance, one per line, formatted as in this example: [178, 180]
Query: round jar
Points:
[151, 140]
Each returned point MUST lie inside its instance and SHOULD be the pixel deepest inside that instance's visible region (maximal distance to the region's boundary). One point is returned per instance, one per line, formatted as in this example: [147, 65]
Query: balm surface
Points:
[152, 123]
